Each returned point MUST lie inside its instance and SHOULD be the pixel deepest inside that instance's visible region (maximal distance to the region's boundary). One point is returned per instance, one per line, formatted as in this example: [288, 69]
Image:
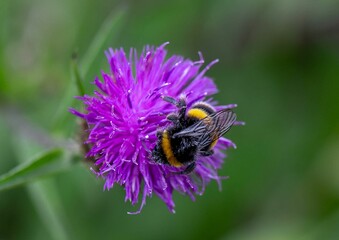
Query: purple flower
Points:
[125, 113]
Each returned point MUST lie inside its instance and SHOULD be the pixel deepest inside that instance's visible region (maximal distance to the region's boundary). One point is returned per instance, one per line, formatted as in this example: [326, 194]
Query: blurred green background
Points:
[279, 60]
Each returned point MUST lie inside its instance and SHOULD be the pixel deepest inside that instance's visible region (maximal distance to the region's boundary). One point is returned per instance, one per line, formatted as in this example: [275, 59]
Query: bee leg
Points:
[207, 153]
[172, 117]
[182, 107]
[170, 100]
[181, 104]
[188, 169]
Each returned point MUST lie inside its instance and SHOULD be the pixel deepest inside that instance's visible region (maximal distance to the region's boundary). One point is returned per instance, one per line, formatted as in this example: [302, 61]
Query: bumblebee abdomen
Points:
[177, 152]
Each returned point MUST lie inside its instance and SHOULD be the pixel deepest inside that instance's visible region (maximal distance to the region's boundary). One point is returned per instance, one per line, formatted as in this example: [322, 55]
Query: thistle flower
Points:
[125, 113]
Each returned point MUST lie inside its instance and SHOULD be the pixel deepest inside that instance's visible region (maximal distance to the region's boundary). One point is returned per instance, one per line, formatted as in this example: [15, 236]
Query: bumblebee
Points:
[193, 133]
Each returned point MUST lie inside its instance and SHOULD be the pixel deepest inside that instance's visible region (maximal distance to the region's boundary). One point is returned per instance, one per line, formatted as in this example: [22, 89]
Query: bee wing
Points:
[222, 121]
[210, 128]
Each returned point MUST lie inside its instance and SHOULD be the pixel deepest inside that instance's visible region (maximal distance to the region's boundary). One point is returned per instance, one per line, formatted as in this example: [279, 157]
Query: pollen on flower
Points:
[126, 111]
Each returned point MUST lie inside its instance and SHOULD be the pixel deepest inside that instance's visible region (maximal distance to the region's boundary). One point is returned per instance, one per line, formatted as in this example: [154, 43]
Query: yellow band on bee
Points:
[166, 147]
[197, 113]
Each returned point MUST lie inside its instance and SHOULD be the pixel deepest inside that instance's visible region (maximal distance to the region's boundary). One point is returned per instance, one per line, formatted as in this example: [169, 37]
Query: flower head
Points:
[125, 113]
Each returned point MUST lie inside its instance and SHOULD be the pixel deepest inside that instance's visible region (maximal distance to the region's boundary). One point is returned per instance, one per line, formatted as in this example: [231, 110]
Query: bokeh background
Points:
[279, 60]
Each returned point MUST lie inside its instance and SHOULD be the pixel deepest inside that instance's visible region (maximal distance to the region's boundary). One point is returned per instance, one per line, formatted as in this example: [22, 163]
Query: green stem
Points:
[76, 76]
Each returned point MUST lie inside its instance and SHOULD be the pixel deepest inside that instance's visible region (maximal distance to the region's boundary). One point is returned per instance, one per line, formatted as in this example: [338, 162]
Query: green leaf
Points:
[89, 62]
[47, 163]
[77, 77]
[43, 193]
[3, 43]
[102, 40]
[46, 200]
